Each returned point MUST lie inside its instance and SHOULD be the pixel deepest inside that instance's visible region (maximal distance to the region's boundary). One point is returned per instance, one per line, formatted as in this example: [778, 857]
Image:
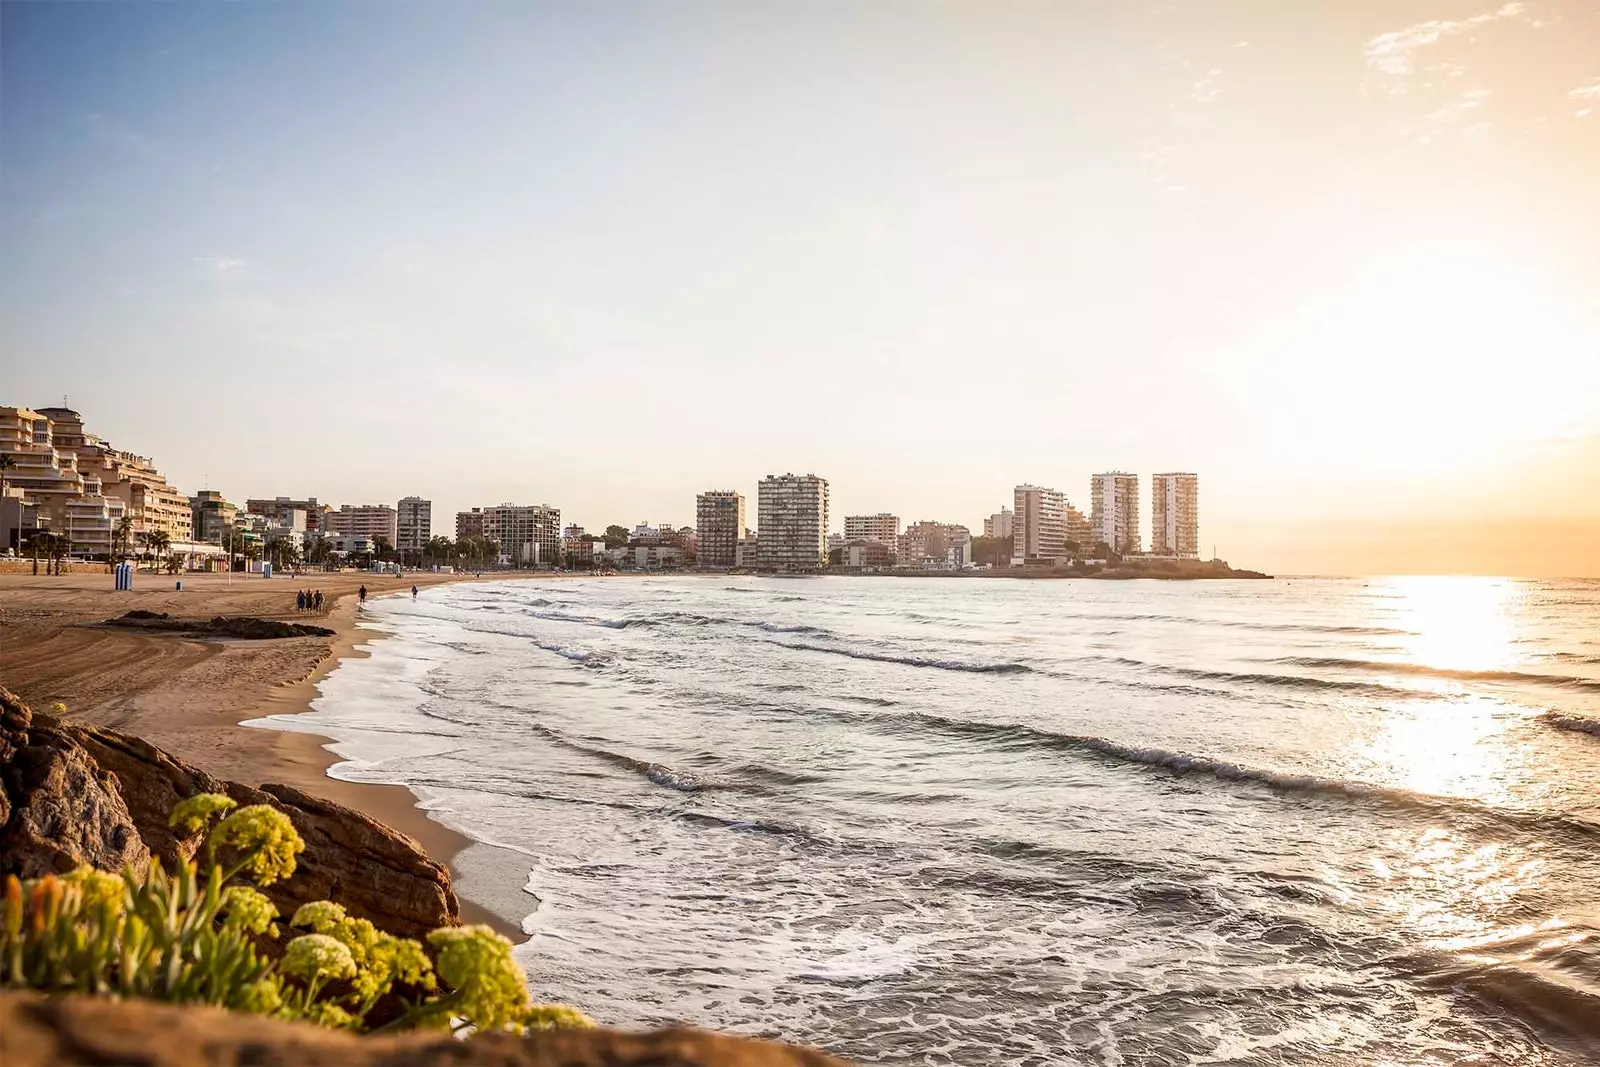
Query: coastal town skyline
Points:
[1339, 261]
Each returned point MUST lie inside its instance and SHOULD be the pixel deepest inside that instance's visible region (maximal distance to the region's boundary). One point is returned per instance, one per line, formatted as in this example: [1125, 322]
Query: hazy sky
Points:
[1338, 257]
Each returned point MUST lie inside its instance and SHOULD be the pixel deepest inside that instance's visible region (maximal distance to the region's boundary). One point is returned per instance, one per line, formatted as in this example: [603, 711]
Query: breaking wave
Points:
[911, 661]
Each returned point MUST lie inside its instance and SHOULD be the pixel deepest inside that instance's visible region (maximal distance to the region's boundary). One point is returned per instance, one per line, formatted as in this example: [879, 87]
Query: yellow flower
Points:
[193, 814]
[246, 909]
[329, 1015]
[261, 997]
[555, 1017]
[319, 915]
[476, 962]
[58, 708]
[267, 835]
[313, 956]
[405, 960]
[98, 888]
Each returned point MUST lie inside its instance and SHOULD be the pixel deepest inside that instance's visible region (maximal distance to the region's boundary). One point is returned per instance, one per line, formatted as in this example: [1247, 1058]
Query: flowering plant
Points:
[197, 936]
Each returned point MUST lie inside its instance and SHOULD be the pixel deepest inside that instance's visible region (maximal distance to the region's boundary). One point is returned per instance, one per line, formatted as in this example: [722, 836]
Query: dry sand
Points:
[188, 695]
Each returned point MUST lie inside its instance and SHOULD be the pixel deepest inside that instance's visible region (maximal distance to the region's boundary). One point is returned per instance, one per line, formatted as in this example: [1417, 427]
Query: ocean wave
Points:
[660, 773]
[1282, 681]
[588, 659]
[1561, 681]
[1018, 736]
[1577, 723]
[911, 661]
[1248, 624]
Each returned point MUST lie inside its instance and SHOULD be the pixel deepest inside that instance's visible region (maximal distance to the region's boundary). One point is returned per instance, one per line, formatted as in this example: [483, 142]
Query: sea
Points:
[983, 822]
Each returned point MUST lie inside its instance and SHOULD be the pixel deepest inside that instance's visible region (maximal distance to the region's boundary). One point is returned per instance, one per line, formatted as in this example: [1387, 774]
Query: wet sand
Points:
[189, 695]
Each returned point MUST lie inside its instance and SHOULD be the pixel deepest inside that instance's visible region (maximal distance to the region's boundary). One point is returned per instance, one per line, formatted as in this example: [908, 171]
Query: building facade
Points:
[469, 524]
[213, 516]
[529, 535]
[413, 525]
[998, 524]
[719, 523]
[1038, 526]
[866, 555]
[1080, 534]
[371, 521]
[277, 509]
[882, 527]
[935, 546]
[792, 520]
[1175, 515]
[1114, 511]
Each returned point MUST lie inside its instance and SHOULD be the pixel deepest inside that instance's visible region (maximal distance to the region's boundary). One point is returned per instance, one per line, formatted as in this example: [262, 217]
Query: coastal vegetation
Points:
[206, 934]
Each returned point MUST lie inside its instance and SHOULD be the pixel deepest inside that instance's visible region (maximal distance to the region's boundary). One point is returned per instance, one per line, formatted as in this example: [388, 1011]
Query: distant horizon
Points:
[1337, 260]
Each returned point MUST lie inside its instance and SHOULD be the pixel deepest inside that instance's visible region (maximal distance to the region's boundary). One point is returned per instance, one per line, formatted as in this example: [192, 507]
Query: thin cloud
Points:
[220, 266]
[1587, 92]
[1391, 52]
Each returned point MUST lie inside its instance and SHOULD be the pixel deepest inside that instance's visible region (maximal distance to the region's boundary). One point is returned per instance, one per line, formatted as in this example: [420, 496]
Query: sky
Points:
[1336, 257]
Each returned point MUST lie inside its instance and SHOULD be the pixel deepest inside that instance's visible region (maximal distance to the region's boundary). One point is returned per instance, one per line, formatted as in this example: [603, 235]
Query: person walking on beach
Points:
[362, 594]
[413, 592]
[300, 600]
[319, 599]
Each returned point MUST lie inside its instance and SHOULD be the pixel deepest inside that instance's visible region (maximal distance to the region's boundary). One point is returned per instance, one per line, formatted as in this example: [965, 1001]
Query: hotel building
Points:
[792, 520]
[1175, 515]
[719, 523]
[1114, 511]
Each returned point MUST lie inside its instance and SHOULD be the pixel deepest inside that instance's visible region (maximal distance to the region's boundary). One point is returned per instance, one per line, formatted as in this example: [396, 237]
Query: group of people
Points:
[308, 600]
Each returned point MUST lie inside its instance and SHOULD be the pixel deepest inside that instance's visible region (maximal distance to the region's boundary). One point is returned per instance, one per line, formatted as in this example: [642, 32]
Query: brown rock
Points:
[92, 1031]
[75, 794]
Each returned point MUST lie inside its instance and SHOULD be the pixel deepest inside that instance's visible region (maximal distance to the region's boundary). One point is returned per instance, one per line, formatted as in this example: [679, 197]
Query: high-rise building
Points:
[998, 524]
[719, 523]
[1175, 515]
[1038, 526]
[528, 534]
[792, 522]
[371, 521]
[1114, 511]
[882, 527]
[469, 524]
[413, 524]
[278, 508]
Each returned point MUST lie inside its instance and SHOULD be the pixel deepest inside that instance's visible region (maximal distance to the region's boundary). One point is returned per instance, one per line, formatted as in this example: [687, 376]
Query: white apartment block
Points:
[1114, 511]
[528, 535]
[414, 522]
[998, 524]
[1038, 526]
[1175, 515]
[365, 520]
[792, 520]
[882, 527]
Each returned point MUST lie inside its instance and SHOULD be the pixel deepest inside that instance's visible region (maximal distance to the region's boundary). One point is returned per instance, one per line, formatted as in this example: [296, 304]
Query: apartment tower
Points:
[792, 522]
[882, 528]
[998, 524]
[1114, 511]
[719, 523]
[1175, 515]
[1038, 526]
[370, 521]
[414, 525]
[527, 534]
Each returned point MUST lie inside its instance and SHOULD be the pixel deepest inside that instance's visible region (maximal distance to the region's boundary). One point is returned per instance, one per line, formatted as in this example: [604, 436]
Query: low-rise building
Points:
[866, 555]
[935, 546]
[747, 552]
[647, 557]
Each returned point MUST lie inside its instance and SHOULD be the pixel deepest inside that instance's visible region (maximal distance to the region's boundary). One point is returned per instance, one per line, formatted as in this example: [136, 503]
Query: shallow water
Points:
[1004, 822]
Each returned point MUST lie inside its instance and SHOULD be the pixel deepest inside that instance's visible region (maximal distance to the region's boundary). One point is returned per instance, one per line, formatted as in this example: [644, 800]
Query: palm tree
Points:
[6, 463]
[122, 536]
[158, 540]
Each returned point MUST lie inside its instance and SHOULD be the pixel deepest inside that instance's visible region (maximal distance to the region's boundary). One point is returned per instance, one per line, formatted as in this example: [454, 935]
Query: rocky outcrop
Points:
[93, 1031]
[73, 794]
[246, 627]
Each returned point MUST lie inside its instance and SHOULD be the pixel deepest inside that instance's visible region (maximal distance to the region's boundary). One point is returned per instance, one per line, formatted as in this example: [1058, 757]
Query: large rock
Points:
[73, 794]
[91, 1031]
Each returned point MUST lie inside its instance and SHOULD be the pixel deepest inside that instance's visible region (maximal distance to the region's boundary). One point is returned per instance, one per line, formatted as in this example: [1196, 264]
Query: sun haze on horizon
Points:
[1338, 260]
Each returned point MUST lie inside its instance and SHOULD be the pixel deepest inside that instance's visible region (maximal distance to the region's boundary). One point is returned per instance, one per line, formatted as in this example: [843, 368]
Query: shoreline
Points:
[192, 696]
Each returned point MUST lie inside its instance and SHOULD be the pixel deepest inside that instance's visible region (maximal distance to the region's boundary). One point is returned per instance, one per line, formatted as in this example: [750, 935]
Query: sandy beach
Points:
[188, 695]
